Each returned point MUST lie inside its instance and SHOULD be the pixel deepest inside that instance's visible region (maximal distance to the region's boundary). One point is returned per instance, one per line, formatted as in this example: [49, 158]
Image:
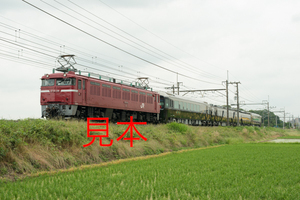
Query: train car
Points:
[188, 111]
[183, 110]
[245, 118]
[256, 119]
[69, 95]
[222, 115]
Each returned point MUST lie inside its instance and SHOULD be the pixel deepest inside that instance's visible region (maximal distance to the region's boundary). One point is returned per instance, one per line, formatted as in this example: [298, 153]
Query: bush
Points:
[181, 128]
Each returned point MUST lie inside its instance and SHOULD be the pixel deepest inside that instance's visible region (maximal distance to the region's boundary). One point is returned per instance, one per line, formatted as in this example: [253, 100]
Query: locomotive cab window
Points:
[48, 82]
[65, 81]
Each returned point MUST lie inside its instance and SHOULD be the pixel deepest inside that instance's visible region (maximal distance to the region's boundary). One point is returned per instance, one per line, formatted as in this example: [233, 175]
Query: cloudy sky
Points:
[257, 42]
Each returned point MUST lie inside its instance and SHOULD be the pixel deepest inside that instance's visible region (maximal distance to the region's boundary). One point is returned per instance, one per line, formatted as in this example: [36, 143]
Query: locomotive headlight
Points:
[47, 75]
[65, 74]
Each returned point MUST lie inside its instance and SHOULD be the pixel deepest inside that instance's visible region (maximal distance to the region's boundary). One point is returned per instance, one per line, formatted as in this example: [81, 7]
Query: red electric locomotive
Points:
[70, 95]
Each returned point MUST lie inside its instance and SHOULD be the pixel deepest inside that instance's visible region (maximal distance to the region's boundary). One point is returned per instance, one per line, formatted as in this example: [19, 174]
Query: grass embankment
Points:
[32, 145]
[243, 171]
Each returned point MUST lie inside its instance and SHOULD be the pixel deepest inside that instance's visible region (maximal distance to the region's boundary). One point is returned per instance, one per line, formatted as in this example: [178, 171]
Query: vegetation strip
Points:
[34, 145]
[243, 171]
[113, 162]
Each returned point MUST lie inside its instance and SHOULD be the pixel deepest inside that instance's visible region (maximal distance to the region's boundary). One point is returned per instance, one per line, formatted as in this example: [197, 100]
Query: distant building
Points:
[295, 123]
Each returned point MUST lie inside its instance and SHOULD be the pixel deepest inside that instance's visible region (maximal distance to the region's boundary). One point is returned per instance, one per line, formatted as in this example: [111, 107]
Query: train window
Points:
[176, 104]
[167, 102]
[117, 88]
[83, 84]
[66, 81]
[79, 84]
[94, 83]
[104, 85]
[171, 103]
[48, 82]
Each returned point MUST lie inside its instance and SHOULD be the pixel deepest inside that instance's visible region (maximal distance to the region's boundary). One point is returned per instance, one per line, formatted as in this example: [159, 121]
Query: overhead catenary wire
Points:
[182, 63]
[244, 98]
[167, 61]
[161, 37]
[114, 46]
[40, 38]
[117, 74]
[47, 50]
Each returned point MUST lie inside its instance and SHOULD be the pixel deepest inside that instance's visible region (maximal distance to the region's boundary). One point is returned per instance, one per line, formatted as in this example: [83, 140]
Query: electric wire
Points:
[114, 46]
[48, 48]
[160, 37]
[193, 68]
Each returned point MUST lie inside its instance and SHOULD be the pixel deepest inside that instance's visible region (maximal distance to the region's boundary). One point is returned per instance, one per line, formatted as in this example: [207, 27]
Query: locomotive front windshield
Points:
[48, 82]
[66, 81]
[59, 81]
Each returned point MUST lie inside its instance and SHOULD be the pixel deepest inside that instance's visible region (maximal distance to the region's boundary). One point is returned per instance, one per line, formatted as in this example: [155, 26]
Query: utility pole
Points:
[283, 119]
[280, 111]
[227, 106]
[237, 99]
[173, 87]
[178, 83]
[268, 112]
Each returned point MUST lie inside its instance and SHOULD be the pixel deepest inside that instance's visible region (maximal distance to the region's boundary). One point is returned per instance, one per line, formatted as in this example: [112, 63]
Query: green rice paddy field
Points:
[244, 171]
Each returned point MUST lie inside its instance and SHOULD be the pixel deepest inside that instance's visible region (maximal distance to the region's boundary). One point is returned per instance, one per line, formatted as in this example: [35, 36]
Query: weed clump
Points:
[180, 128]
